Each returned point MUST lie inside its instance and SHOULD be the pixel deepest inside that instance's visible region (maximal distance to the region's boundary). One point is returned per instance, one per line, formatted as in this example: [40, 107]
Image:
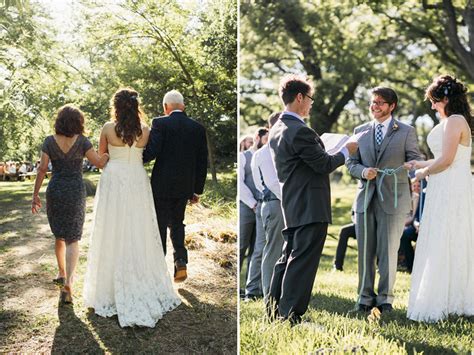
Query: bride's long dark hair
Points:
[127, 114]
[456, 92]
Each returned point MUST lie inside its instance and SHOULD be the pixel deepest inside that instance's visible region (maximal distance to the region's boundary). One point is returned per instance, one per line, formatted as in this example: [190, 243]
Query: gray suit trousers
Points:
[254, 278]
[383, 240]
[273, 224]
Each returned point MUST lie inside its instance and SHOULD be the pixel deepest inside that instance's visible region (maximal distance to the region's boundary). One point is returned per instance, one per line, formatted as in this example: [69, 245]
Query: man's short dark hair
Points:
[273, 119]
[389, 95]
[262, 131]
[292, 85]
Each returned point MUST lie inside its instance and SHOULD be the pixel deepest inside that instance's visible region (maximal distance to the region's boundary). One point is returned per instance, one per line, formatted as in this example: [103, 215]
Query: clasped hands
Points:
[421, 170]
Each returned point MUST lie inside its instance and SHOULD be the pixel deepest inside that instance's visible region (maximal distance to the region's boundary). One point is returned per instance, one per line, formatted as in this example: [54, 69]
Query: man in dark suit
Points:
[179, 145]
[303, 168]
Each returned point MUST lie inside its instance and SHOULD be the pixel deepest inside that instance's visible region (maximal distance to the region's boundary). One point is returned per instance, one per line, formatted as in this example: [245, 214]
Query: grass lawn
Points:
[332, 329]
[31, 321]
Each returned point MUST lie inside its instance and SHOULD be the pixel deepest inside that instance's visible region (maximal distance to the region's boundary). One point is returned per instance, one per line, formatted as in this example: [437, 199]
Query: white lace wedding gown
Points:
[126, 270]
[442, 281]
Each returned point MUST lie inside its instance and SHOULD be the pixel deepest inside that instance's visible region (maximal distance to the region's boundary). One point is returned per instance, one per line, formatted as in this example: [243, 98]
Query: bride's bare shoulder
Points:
[108, 126]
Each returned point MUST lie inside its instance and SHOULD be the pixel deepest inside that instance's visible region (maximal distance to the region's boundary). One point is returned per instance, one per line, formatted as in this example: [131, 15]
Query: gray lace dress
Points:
[66, 193]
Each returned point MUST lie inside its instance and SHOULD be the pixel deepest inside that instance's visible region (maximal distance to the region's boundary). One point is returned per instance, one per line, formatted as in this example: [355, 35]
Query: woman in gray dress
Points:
[66, 194]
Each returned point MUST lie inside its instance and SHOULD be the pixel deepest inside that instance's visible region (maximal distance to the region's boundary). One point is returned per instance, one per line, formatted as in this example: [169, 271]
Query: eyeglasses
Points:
[377, 103]
[308, 97]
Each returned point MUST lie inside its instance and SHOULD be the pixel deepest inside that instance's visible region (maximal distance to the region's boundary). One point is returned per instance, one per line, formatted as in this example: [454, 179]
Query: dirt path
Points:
[31, 320]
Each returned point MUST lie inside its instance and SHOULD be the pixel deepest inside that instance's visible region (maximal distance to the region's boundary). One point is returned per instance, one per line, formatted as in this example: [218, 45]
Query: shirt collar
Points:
[385, 123]
[176, 111]
[293, 114]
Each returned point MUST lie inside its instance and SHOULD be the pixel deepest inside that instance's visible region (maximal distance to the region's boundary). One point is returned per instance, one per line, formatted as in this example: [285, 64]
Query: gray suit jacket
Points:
[303, 168]
[398, 146]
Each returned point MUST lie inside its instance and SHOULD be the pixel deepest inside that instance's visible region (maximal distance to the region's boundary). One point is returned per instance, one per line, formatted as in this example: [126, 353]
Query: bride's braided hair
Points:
[456, 92]
[125, 111]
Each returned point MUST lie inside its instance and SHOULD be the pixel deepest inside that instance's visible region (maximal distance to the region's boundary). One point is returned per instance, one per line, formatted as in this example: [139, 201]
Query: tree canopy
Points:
[96, 47]
[348, 47]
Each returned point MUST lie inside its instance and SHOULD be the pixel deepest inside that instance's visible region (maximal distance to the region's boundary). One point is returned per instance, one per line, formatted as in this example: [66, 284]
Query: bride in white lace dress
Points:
[443, 272]
[126, 272]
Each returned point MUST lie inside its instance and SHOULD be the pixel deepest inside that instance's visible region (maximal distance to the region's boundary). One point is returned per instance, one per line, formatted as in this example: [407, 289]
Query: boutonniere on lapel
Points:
[395, 127]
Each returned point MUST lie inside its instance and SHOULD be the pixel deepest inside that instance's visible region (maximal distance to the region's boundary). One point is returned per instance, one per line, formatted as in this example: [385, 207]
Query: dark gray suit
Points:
[384, 222]
[303, 168]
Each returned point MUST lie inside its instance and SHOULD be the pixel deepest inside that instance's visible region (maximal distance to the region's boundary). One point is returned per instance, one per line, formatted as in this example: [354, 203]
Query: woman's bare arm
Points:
[40, 173]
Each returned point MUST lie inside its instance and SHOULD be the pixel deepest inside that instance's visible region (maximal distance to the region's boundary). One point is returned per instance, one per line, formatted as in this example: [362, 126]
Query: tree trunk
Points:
[212, 165]
[320, 122]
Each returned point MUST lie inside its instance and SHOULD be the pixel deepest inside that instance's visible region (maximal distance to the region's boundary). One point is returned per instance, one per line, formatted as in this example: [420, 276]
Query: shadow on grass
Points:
[395, 319]
[72, 335]
[193, 327]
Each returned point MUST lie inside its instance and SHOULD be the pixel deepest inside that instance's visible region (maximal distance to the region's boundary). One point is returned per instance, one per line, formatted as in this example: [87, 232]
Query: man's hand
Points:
[194, 199]
[411, 165]
[416, 224]
[352, 147]
[370, 173]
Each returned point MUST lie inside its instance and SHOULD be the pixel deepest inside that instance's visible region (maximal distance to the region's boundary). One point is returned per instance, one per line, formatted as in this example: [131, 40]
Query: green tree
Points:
[347, 48]
[153, 46]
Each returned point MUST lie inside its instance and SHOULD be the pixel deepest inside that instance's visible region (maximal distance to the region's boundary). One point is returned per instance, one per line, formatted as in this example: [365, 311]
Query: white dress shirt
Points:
[245, 195]
[294, 115]
[385, 125]
[263, 159]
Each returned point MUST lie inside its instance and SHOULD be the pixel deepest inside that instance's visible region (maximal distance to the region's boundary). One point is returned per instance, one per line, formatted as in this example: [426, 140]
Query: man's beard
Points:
[259, 145]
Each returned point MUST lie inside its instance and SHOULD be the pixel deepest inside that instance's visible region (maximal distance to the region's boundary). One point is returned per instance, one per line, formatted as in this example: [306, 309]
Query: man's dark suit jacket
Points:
[179, 145]
[303, 167]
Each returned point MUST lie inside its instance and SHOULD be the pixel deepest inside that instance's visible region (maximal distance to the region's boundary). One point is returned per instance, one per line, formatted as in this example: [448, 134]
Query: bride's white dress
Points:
[442, 281]
[126, 270]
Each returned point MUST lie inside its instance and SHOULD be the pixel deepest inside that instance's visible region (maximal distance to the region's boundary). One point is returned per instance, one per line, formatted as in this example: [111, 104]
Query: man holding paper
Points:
[381, 212]
[303, 168]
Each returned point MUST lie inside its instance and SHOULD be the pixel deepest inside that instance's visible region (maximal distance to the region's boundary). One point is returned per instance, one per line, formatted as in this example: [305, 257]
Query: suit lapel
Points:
[371, 138]
[386, 140]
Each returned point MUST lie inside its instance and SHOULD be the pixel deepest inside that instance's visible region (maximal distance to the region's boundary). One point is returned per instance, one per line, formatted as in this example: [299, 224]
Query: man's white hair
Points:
[173, 97]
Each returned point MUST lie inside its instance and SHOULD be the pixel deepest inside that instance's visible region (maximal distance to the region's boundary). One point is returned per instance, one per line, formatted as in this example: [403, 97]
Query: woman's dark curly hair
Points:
[446, 86]
[69, 121]
[125, 111]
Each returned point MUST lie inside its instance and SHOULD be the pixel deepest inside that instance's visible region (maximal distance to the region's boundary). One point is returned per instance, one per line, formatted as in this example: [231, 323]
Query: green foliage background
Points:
[348, 47]
[100, 46]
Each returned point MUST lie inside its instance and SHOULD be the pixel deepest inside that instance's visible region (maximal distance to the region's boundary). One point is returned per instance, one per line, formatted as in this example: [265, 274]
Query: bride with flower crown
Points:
[443, 273]
[126, 272]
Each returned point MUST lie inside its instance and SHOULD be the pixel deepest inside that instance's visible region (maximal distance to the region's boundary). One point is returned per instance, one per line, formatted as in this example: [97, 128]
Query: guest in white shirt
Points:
[266, 181]
[250, 225]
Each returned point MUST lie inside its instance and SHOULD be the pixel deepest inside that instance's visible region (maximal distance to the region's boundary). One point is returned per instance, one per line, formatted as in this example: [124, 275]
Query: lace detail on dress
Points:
[127, 273]
[443, 272]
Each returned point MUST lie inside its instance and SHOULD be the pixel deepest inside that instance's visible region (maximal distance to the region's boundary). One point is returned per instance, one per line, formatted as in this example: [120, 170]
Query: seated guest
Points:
[410, 233]
[11, 171]
[23, 168]
[35, 168]
[347, 231]
[2, 170]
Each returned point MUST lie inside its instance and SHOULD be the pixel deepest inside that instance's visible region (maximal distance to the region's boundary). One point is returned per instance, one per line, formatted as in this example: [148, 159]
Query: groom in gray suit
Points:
[303, 168]
[387, 145]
